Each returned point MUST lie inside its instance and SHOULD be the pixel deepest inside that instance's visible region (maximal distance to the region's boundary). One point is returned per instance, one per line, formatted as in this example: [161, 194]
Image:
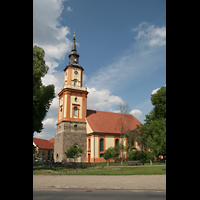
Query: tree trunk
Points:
[107, 163]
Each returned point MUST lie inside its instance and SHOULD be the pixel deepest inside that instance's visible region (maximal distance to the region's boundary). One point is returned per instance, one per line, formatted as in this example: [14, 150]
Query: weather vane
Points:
[74, 32]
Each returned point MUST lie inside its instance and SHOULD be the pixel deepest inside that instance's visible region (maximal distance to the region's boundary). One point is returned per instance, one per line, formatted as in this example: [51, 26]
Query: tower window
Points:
[75, 83]
[75, 111]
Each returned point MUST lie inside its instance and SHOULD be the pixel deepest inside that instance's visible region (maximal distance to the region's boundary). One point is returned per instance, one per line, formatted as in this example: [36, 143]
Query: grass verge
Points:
[154, 170]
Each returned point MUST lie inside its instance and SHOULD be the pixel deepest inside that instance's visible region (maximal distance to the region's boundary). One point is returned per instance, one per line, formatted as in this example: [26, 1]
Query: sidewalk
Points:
[151, 182]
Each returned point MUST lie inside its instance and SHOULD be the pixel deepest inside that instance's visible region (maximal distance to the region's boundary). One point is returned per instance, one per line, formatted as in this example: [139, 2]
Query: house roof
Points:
[43, 144]
[108, 122]
[51, 140]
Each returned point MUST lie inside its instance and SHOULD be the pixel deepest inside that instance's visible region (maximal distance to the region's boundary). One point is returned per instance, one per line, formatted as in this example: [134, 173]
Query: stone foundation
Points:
[68, 134]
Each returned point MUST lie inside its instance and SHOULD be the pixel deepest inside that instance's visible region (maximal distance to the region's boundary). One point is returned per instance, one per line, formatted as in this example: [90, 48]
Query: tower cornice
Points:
[69, 89]
[73, 65]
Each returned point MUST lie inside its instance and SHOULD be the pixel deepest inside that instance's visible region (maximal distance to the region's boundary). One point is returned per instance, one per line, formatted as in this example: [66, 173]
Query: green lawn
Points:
[139, 170]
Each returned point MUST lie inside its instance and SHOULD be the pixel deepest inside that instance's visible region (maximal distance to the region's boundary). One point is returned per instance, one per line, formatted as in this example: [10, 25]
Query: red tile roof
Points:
[51, 140]
[108, 122]
[43, 144]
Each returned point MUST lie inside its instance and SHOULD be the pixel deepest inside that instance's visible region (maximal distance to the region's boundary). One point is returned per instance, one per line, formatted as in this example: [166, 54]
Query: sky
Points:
[122, 48]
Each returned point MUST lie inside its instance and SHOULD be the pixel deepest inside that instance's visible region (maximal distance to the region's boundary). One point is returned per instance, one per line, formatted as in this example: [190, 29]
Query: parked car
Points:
[38, 160]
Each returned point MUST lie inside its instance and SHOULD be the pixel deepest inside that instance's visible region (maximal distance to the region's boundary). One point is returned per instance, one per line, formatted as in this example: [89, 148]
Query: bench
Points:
[133, 162]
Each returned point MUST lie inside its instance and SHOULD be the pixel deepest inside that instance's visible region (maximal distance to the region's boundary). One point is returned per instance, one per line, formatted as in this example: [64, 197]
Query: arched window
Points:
[89, 143]
[116, 142]
[101, 144]
[75, 83]
[75, 111]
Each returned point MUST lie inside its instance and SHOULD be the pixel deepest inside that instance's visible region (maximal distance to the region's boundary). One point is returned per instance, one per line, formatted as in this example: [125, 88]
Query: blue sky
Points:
[122, 47]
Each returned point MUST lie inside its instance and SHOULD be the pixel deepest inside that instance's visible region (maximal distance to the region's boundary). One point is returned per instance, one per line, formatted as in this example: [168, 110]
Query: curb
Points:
[91, 189]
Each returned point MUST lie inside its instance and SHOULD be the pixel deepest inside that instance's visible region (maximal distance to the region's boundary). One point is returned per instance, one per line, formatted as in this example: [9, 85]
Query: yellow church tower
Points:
[71, 124]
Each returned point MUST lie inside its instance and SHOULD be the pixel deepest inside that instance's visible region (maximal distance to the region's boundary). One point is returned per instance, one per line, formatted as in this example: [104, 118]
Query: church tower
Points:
[71, 124]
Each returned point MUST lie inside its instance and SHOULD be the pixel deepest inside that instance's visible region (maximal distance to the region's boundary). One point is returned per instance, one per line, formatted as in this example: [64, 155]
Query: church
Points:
[94, 131]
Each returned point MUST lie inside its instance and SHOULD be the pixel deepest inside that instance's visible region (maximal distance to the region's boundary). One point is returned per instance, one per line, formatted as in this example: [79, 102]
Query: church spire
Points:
[74, 44]
[73, 55]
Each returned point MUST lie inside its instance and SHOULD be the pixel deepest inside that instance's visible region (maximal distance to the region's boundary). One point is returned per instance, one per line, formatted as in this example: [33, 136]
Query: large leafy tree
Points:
[42, 95]
[153, 131]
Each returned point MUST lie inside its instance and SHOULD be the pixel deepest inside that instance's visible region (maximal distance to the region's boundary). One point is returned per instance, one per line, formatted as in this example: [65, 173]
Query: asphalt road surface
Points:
[74, 194]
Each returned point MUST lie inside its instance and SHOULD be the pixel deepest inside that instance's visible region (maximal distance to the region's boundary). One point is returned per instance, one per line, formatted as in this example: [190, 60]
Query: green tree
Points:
[109, 153]
[135, 155]
[153, 131]
[132, 136]
[139, 155]
[74, 152]
[116, 152]
[42, 95]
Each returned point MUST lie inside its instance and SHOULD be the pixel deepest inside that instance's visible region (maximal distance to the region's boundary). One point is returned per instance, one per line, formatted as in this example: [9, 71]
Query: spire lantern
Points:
[73, 55]
[74, 44]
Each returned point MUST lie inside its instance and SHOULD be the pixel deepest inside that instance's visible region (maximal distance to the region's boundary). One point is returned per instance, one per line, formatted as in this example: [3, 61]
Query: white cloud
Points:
[155, 91]
[53, 111]
[47, 31]
[51, 36]
[137, 114]
[69, 9]
[49, 122]
[57, 79]
[49, 130]
[102, 99]
[150, 35]
[84, 79]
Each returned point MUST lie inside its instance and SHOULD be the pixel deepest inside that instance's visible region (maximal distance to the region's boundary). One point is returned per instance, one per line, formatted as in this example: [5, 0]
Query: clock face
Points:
[76, 72]
[75, 59]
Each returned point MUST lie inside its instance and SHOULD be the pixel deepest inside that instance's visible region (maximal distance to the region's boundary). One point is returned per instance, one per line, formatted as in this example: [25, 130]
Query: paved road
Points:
[72, 194]
[132, 182]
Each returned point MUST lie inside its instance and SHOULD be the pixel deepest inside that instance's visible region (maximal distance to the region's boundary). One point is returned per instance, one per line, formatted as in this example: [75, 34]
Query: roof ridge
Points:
[109, 112]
